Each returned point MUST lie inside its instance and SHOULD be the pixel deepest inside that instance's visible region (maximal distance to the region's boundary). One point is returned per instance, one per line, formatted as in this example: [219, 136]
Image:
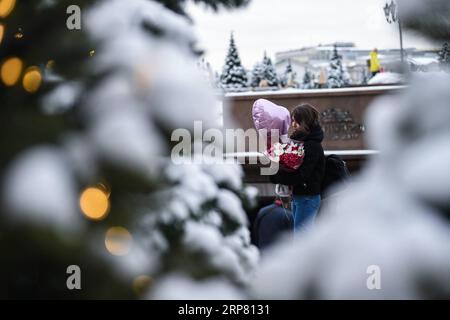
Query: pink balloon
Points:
[267, 115]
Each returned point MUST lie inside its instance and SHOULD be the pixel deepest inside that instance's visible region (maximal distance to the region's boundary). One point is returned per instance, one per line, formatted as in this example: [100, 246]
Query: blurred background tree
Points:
[270, 74]
[338, 76]
[233, 74]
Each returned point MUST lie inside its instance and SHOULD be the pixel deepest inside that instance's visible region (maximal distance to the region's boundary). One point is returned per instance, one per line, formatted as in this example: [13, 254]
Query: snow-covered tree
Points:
[264, 74]
[308, 80]
[257, 74]
[270, 74]
[233, 75]
[289, 77]
[338, 76]
[87, 182]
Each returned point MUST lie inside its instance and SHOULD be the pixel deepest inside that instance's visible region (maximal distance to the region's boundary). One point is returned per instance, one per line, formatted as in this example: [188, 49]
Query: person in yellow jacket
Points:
[374, 62]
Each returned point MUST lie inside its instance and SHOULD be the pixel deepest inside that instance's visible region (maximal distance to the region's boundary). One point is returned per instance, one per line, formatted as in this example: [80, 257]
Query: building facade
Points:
[317, 59]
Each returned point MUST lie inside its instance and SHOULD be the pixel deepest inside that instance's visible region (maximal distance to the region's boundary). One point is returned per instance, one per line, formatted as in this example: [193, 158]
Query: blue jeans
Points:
[305, 209]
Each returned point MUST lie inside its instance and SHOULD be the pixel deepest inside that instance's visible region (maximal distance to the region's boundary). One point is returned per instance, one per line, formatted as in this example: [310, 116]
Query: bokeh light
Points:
[11, 70]
[6, 7]
[2, 32]
[32, 79]
[92, 53]
[141, 284]
[94, 203]
[118, 241]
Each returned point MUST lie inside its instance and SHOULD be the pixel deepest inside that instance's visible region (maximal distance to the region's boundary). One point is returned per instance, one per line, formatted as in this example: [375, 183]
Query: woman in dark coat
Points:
[307, 179]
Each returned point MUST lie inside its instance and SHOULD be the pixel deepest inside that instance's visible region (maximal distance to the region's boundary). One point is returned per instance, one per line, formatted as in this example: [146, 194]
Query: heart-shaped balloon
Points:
[267, 115]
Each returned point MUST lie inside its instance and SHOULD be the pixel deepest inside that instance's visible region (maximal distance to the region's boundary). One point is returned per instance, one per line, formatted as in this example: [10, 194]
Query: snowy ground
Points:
[387, 78]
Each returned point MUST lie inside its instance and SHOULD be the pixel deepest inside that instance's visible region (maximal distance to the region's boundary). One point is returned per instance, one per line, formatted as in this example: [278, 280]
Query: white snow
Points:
[113, 18]
[407, 243]
[137, 261]
[62, 98]
[39, 189]
[198, 182]
[81, 155]
[181, 287]
[214, 218]
[202, 237]
[249, 258]
[153, 68]
[231, 205]
[227, 174]
[425, 136]
[386, 78]
[423, 61]
[205, 238]
[194, 186]
[127, 138]
[251, 193]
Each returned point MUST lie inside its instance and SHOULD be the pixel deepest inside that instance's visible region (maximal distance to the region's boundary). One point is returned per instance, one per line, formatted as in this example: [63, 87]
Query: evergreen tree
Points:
[444, 57]
[233, 75]
[88, 182]
[257, 74]
[288, 67]
[337, 75]
[308, 80]
[270, 74]
[288, 79]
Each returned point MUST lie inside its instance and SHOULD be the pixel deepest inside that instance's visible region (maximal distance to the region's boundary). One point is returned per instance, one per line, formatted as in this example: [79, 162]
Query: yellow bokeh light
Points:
[141, 284]
[92, 53]
[6, 6]
[118, 241]
[94, 203]
[11, 70]
[32, 79]
[2, 32]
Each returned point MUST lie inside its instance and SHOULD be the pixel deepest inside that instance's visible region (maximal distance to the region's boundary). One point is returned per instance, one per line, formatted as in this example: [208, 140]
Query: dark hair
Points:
[306, 116]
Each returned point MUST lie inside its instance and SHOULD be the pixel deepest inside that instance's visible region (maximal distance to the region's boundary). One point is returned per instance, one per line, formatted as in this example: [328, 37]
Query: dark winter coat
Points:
[271, 222]
[306, 180]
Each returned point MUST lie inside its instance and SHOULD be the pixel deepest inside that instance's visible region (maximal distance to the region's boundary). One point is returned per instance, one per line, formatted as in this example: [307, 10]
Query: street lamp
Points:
[391, 13]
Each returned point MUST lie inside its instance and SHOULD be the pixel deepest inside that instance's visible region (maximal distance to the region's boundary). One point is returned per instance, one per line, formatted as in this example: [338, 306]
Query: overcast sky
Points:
[279, 25]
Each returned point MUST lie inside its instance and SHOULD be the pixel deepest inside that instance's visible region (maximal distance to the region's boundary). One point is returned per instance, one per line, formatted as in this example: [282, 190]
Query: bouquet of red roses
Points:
[289, 155]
